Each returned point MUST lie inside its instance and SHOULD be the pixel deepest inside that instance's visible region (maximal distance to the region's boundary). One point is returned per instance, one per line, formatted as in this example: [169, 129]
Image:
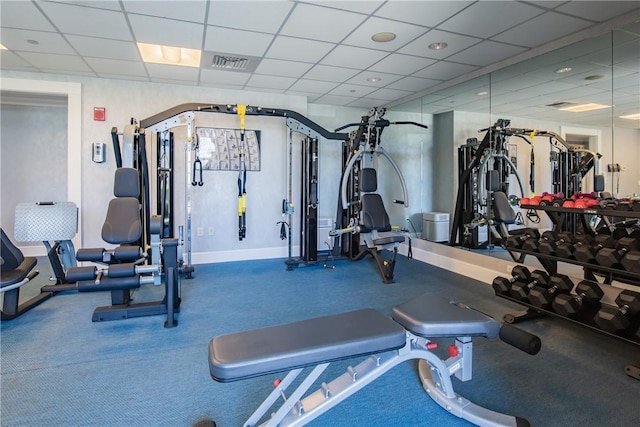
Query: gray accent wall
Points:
[33, 152]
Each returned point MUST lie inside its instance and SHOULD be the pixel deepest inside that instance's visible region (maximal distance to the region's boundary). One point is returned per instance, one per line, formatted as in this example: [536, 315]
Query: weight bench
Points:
[318, 342]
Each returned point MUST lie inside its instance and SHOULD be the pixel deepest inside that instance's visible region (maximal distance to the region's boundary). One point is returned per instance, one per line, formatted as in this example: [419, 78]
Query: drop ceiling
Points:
[319, 49]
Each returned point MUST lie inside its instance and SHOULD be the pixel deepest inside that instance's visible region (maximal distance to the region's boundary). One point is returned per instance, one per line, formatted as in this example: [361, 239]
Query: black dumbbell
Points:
[586, 292]
[587, 253]
[542, 297]
[565, 250]
[611, 257]
[613, 319]
[502, 285]
[520, 289]
[550, 241]
[631, 262]
[516, 240]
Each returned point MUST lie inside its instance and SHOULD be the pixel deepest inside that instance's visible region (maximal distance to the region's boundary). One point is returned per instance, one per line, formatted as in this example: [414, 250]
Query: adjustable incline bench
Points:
[318, 342]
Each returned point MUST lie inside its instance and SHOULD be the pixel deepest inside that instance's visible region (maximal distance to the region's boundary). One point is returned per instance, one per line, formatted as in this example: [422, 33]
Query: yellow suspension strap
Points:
[532, 164]
[242, 178]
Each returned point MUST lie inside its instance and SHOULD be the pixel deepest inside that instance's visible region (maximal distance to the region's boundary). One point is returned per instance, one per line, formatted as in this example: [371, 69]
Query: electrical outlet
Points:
[200, 231]
[210, 231]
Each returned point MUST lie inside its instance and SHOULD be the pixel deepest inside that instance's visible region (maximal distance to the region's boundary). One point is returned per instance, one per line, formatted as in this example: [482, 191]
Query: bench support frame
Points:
[434, 372]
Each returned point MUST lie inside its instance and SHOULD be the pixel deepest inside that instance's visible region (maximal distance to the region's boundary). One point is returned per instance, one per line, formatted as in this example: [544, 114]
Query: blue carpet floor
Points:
[60, 369]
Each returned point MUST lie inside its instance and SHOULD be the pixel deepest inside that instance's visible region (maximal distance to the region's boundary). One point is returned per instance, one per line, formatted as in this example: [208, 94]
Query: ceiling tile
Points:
[174, 73]
[485, 53]
[313, 86]
[389, 94]
[46, 42]
[270, 82]
[295, 49]
[103, 48]
[414, 84]
[352, 90]
[397, 63]
[594, 11]
[405, 33]
[87, 21]
[335, 100]
[227, 77]
[184, 10]
[55, 62]
[114, 66]
[236, 42]
[123, 77]
[265, 16]
[23, 14]
[309, 95]
[10, 59]
[167, 32]
[350, 57]
[320, 23]
[486, 19]
[555, 26]
[385, 79]
[263, 89]
[277, 67]
[330, 74]
[367, 103]
[362, 6]
[455, 42]
[444, 70]
[425, 13]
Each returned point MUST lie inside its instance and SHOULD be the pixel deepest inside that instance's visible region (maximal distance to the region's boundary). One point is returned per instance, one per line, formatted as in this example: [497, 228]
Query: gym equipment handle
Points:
[520, 339]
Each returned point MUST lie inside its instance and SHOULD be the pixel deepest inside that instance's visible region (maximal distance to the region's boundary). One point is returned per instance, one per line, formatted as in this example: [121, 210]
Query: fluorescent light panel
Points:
[171, 55]
[581, 108]
[631, 116]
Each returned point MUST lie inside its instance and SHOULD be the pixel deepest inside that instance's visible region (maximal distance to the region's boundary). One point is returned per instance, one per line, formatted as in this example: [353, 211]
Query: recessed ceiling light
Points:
[594, 77]
[171, 55]
[581, 108]
[483, 93]
[383, 37]
[631, 116]
[373, 79]
[33, 42]
[438, 46]
[2, 47]
[563, 70]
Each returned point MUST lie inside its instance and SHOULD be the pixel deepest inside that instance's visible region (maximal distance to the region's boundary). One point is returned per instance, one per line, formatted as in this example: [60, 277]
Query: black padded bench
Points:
[318, 342]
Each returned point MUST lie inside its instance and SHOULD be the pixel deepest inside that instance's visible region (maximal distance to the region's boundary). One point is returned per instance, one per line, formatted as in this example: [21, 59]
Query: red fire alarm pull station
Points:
[99, 114]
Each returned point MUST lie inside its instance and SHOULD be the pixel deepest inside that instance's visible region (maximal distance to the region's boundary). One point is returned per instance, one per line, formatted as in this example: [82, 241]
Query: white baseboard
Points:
[38, 250]
[476, 266]
[241, 255]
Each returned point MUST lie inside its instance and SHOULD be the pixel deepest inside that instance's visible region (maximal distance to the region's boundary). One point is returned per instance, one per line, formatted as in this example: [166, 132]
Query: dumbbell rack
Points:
[558, 215]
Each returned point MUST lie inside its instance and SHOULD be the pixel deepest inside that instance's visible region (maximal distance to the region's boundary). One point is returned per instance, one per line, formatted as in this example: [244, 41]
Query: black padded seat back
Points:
[11, 256]
[122, 224]
[126, 183]
[432, 316]
[14, 265]
[502, 210]
[368, 180]
[374, 215]
[493, 180]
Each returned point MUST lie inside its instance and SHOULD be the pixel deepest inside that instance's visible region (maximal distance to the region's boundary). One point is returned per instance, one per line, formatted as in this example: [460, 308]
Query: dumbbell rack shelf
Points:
[533, 312]
[558, 215]
[549, 262]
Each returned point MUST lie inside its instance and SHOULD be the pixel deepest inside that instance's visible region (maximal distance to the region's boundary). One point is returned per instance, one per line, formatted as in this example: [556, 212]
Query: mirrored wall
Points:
[588, 93]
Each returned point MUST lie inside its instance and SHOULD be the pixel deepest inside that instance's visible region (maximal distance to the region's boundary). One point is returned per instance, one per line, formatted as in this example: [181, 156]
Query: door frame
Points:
[73, 92]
